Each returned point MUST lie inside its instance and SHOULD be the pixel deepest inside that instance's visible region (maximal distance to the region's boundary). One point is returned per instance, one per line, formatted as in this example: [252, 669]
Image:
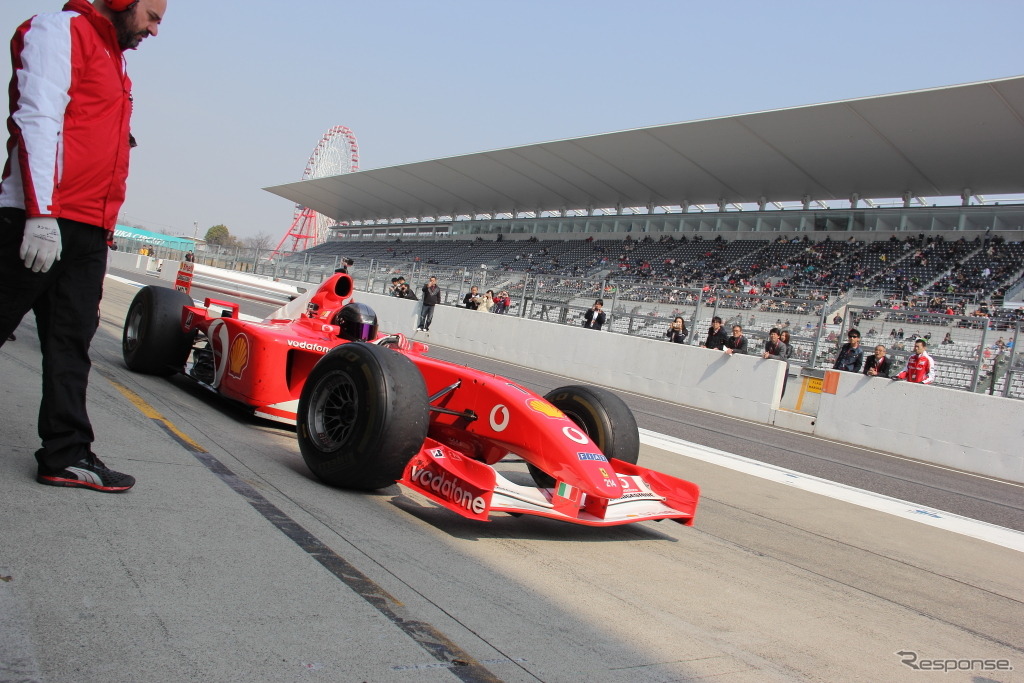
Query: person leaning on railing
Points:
[879, 364]
[851, 356]
[920, 367]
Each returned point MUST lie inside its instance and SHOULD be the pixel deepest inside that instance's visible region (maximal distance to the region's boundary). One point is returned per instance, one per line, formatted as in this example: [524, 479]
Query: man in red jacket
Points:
[920, 366]
[62, 188]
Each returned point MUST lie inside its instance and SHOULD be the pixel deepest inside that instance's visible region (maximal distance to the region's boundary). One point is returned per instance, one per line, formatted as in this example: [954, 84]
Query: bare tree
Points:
[261, 241]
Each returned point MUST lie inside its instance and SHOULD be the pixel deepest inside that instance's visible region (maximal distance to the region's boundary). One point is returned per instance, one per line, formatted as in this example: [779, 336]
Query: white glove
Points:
[41, 245]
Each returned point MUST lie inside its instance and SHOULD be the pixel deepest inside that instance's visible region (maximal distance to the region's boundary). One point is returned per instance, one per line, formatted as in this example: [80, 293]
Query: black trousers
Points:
[66, 303]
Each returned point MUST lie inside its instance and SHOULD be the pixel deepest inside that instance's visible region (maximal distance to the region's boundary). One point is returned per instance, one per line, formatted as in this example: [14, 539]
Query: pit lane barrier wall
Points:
[957, 429]
[963, 430]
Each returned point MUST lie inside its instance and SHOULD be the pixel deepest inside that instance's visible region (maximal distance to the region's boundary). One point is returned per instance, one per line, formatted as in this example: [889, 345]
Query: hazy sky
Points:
[233, 96]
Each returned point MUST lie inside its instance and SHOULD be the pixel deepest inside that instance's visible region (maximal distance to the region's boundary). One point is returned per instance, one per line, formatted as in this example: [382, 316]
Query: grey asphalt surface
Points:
[229, 562]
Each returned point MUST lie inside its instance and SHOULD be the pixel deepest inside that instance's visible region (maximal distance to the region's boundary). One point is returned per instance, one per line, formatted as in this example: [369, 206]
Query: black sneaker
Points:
[88, 473]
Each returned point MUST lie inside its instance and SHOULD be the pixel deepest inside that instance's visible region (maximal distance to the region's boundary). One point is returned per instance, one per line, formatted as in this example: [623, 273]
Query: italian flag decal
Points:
[570, 492]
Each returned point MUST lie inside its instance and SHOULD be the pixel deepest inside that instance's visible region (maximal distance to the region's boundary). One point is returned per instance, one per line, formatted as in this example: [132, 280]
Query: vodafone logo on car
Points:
[306, 346]
[450, 489]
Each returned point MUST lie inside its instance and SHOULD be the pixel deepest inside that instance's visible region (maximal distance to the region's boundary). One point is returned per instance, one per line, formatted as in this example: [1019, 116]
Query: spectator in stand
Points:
[472, 298]
[878, 365]
[785, 337]
[677, 331]
[716, 335]
[431, 298]
[594, 317]
[405, 291]
[737, 343]
[393, 289]
[920, 367]
[343, 266]
[851, 356]
[948, 339]
[486, 302]
[502, 302]
[774, 348]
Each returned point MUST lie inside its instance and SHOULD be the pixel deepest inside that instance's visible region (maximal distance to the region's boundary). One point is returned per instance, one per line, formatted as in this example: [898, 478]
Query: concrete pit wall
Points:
[958, 429]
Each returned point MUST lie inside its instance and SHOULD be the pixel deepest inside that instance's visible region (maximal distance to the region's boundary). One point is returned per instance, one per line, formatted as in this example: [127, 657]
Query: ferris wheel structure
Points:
[335, 154]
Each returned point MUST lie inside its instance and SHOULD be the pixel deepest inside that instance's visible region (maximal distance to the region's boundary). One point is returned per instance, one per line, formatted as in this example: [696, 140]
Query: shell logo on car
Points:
[238, 356]
[544, 408]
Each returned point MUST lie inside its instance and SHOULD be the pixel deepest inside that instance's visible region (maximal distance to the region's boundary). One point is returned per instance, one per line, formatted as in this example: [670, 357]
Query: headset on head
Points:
[120, 5]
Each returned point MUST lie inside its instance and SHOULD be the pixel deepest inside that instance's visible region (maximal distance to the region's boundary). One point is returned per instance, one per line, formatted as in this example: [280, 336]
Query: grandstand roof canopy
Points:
[931, 143]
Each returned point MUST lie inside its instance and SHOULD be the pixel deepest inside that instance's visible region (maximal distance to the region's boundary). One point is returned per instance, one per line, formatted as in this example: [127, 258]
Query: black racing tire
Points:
[603, 416]
[363, 414]
[153, 342]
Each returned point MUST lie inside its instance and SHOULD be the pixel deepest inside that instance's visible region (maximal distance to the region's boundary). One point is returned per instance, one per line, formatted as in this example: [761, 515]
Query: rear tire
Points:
[603, 416]
[153, 342]
[363, 414]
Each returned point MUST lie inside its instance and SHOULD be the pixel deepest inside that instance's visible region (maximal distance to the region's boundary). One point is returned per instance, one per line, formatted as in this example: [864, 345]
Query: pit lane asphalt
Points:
[194, 576]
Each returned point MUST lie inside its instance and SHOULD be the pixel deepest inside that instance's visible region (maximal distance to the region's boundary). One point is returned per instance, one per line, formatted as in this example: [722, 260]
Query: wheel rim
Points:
[132, 331]
[335, 411]
[575, 417]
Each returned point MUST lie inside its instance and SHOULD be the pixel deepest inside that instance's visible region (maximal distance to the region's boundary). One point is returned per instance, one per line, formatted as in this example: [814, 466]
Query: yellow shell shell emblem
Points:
[238, 356]
[544, 408]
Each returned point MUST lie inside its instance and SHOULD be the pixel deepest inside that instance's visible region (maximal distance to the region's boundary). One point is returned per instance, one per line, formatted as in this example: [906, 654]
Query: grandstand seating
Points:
[760, 283]
[895, 266]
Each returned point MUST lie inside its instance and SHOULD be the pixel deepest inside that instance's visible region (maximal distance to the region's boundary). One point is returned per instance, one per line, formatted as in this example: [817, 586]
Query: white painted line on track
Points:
[122, 280]
[1008, 538]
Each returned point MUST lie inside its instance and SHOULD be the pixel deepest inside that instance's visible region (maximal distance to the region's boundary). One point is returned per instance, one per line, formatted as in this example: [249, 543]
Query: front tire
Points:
[153, 342]
[363, 414]
[603, 416]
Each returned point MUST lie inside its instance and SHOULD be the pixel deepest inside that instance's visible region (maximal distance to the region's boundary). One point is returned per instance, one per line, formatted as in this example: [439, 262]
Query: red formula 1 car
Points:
[372, 409]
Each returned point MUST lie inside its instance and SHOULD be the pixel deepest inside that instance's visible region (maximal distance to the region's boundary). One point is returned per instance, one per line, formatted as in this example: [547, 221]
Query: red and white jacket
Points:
[920, 368]
[71, 103]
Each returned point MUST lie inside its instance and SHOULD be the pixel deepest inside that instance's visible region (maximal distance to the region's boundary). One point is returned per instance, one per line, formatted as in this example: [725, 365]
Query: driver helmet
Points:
[357, 322]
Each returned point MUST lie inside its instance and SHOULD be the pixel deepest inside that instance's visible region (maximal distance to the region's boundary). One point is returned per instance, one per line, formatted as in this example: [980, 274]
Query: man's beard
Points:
[128, 36]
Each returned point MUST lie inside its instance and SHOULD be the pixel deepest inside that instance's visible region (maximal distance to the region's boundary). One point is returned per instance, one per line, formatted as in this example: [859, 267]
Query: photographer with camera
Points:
[502, 302]
[677, 331]
[594, 317]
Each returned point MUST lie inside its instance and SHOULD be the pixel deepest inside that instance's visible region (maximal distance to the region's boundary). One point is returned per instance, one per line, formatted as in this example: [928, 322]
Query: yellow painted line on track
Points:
[151, 412]
[460, 663]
